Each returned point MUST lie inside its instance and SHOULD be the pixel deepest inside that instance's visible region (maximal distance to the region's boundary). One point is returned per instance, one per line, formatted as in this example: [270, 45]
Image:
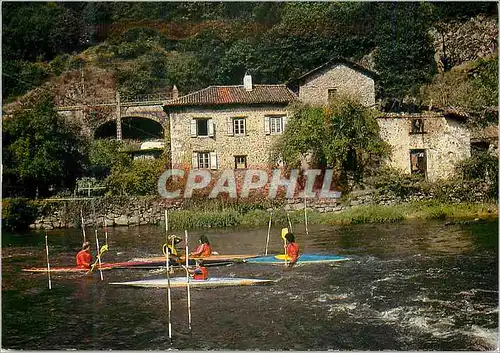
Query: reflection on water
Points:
[409, 286]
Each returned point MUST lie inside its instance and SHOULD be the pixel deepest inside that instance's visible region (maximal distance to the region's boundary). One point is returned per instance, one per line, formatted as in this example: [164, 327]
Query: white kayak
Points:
[181, 282]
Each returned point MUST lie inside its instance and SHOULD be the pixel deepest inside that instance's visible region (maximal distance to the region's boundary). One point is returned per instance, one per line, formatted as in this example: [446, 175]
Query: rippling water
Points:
[409, 286]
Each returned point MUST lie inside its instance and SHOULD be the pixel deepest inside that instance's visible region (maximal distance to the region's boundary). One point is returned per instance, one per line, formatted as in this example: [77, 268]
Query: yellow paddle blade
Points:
[284, 231]
[104, 248]
[282, 257]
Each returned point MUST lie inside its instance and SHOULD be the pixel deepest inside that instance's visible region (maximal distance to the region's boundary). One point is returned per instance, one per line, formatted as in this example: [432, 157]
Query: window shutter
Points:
[283, 122]
[267, 128]
[195, 160]
[193, 127]
[211, 127]
[213, 160]
[230, 126]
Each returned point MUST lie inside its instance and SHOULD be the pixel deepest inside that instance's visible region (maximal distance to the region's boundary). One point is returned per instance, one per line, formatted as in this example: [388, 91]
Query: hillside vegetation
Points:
[148, 47]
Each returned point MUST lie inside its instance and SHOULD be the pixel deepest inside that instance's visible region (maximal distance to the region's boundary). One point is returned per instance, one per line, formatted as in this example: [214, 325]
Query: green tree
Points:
[404, 57]
[471, 88]
[41, 149]
[343, 136]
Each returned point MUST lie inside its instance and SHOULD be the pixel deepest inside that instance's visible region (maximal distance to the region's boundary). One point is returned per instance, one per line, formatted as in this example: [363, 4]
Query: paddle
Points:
[98, 260]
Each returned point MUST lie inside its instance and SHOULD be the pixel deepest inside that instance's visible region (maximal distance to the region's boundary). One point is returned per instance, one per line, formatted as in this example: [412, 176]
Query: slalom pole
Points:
[106, 231]
[48, 263]
[98, 254]
[187, 280]
[268, 230]
[83, 226]
[169, 298]
[305, 215]
[289, 222]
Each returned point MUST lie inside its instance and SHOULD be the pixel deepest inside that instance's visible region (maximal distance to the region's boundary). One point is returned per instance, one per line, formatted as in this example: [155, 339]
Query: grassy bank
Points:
[424, 210]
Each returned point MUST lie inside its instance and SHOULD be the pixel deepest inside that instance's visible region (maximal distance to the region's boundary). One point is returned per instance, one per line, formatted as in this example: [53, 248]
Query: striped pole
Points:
[169, 298]
[305, 215]
[98, 254]
[187, 280]
[48, 263]
[106, 231]
[269, 230]
[83, 226]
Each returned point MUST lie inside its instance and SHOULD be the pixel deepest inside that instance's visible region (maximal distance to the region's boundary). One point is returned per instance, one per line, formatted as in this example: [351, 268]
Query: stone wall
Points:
[342, 78]
[255, 143]
[150, 211]
[446, 141]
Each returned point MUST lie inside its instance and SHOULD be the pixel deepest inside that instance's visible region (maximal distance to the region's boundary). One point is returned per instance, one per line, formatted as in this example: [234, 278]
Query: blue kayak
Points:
[304, 258]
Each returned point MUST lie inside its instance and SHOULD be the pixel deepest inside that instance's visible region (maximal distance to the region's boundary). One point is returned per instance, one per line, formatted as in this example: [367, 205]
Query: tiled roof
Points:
[335, 62]
[222, 95]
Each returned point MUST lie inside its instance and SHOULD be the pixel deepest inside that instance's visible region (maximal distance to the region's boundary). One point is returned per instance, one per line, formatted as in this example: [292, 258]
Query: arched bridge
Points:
[114, 110]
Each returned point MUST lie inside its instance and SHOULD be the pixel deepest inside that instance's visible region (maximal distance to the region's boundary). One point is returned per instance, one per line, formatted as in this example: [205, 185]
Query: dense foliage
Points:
[41, 149]
[151, 46]
[342, 136]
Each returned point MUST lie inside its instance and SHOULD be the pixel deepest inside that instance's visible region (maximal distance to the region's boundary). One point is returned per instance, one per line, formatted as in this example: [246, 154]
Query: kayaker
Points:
[204, 249]
[292, 249]
[84, 258]
[200, 272]
[169, 247]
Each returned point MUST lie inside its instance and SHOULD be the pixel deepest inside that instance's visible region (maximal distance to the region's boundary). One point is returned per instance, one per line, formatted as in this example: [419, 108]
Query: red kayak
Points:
[104, 266]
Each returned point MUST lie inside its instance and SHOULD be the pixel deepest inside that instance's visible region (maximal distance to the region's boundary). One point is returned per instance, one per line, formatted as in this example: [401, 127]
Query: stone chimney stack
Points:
[175, 92]
[247, 82]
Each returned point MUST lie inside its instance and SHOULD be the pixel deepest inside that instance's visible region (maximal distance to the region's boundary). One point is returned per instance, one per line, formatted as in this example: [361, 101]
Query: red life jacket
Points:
[83, 259]
[292, 250]
[200, 273]
[203, 250]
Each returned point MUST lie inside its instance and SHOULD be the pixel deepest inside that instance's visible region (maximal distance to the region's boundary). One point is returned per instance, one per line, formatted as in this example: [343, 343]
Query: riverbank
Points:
[199, 217]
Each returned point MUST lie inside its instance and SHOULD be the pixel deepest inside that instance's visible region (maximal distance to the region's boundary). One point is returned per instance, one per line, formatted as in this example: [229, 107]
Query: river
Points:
[412, 285]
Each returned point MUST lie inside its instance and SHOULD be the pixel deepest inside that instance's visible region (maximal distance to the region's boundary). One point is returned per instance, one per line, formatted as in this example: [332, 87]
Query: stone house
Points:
[223, 127]
[428, 143]
[227, 127]
[338, 76]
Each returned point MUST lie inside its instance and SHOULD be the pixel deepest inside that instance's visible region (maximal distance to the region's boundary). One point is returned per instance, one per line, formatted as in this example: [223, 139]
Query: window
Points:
[204, 160]
[418, 162]
[239, 126]
[332, 92]
[240, 162]
[274, 125]
[202, 127]
[417, 126]
[236, 126]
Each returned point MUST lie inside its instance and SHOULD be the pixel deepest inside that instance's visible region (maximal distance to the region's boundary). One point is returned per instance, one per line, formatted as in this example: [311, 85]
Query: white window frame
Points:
[204, 160]
[194, 127]
[268, 124]
[239, 127]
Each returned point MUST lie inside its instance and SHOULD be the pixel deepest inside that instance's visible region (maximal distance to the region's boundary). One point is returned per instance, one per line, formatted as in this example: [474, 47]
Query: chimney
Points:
[247, 82]
[175, 92]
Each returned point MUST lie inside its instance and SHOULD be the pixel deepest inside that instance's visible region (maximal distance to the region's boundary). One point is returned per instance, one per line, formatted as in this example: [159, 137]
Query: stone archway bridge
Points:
[94, 113]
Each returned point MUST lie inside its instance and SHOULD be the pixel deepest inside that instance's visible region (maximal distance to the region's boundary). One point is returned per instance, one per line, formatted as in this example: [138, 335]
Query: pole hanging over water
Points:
[48, 263]
[169, 298]
[98, 254]
[83, 226]
[305, 215]
[269, 230]
[187, 280]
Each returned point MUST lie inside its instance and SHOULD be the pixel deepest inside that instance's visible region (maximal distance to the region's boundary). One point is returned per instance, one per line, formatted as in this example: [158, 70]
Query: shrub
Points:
[18, 213]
